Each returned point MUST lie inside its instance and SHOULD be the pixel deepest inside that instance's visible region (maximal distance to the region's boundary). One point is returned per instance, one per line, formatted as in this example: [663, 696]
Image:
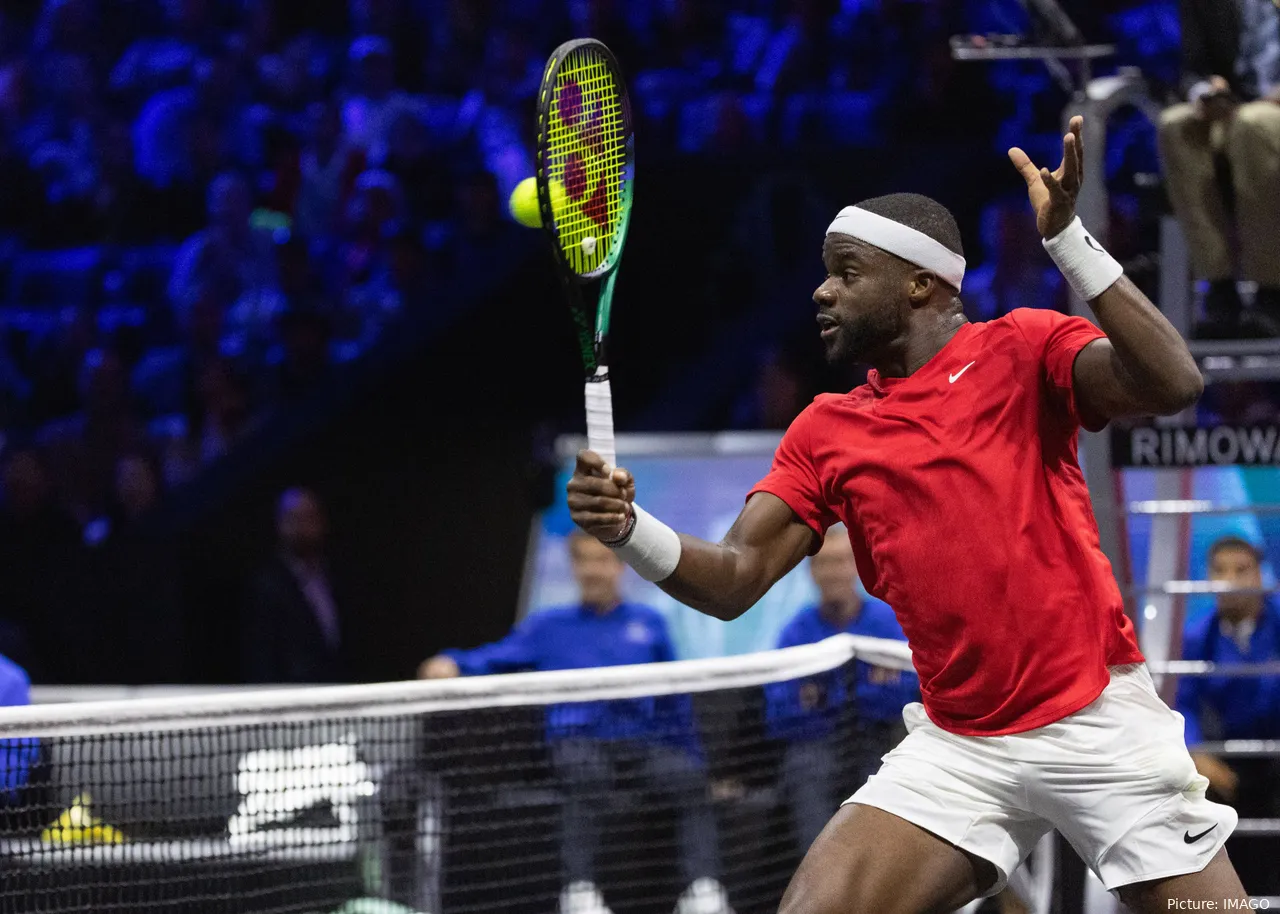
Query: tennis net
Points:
[493, 793]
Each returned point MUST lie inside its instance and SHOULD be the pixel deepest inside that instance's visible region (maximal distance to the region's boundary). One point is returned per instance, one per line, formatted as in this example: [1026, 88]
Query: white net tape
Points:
[401, 698]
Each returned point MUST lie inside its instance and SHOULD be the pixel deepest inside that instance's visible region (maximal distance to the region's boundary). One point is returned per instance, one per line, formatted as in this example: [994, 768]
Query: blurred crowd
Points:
[211, 206]
[208, 206]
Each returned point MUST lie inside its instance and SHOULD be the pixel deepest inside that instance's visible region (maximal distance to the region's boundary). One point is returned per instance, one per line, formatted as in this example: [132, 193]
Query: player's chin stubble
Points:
[860, 337]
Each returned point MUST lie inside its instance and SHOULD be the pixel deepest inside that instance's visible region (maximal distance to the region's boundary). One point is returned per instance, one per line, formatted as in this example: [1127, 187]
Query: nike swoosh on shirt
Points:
[1191, 839]
[956, 377]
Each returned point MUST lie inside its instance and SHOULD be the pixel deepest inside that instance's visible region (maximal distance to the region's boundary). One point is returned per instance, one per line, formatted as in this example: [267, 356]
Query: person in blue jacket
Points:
[828, 723]
[1244, 628]
[16, 755]
[589, 741]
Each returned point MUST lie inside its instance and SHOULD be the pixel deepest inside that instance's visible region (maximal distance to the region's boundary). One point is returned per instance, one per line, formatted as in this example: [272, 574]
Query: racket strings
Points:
[586, 153]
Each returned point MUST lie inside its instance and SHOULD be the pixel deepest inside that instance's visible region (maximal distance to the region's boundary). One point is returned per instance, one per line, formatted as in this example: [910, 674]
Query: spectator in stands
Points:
[399, 282]
[589, 741]
[233, 255]
[330, 165]
[136, 586]
[292, 630]
[374, 213]
[367, 112]
[834, 739]
[161, 61]
[222, 416]
[136, 494]
[63, 134]
[83, 448]
[1245, 628]
[1231, 61]
[166, 379]
[174, 150]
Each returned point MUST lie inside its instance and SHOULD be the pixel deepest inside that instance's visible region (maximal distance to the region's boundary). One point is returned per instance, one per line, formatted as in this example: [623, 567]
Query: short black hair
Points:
[924, 214]
[1235, 542]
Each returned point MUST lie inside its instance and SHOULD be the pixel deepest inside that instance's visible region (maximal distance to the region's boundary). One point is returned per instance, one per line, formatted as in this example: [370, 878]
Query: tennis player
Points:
[955, 470]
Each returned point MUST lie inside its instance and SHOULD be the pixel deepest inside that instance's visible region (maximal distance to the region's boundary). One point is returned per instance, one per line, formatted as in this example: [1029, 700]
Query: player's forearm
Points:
[722, 579]
[713, 578]
[1158, 368]
[1149, 368]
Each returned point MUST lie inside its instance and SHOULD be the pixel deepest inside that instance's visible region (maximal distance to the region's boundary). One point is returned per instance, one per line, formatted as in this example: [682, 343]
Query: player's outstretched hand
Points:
[1053, 193]
[600, 503]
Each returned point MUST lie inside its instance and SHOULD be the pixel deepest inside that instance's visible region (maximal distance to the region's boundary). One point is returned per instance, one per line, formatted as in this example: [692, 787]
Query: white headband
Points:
[904, 241]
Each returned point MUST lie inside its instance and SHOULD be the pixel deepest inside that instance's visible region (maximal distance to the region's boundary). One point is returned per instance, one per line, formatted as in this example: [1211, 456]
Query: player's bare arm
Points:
[1143, 367]
[722, 579]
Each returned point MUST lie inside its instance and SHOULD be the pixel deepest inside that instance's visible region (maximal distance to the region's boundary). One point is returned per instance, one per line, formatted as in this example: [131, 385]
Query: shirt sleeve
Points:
[516, 652]
[1056, 340]
[794, 478]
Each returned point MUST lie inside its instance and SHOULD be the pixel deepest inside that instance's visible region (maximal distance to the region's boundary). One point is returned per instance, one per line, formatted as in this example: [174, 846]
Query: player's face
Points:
[833, 570]
[1239, 568]
[596, 569]
[862, 302]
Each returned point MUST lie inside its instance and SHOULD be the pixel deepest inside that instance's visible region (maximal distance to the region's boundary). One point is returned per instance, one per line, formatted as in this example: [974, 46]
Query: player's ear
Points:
[920, 286]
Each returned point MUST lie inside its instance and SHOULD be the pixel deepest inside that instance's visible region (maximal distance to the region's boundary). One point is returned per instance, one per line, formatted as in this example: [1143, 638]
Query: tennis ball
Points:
[524, 201]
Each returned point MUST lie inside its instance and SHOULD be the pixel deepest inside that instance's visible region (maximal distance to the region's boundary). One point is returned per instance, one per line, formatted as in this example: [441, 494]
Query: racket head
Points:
[585, 156]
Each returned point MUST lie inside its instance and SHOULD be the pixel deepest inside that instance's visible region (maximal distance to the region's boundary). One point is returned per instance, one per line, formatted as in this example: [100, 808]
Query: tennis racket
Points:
[585, 169]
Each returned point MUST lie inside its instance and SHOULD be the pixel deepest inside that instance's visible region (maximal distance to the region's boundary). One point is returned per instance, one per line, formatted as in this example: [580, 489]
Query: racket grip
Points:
[600, 417]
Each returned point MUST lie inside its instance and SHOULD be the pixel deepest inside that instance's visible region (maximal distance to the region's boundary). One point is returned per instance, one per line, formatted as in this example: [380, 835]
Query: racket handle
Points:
[600, 417]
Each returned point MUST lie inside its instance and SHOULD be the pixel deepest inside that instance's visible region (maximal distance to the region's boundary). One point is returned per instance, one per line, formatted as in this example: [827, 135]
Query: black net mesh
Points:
[487, 809]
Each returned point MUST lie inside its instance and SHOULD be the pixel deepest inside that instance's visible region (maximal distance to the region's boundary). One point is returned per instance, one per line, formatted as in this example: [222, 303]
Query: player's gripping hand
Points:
[600, 502]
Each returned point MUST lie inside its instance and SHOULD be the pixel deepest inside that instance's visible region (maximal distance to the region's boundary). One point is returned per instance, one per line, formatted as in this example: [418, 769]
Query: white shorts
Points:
[1115, 778]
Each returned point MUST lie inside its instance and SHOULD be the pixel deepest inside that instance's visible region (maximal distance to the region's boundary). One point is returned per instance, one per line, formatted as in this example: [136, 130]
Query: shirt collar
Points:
[882, 385]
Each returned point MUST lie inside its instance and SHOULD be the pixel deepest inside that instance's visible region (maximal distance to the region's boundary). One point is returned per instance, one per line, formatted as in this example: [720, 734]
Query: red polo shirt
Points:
[969, 515]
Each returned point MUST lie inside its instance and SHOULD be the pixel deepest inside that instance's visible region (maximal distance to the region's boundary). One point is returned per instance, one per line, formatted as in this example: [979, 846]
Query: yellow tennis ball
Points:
[524, 201]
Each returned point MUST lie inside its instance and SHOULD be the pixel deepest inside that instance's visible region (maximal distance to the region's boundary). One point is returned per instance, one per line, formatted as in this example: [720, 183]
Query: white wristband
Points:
[652, 548]
[1089, 269]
